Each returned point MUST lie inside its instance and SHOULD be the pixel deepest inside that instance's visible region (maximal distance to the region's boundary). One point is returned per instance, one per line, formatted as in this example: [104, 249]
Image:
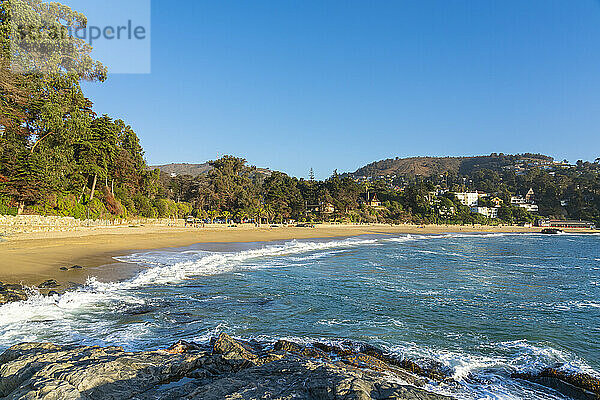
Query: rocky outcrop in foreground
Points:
[228, 369]
[10, 293]
[577, 386]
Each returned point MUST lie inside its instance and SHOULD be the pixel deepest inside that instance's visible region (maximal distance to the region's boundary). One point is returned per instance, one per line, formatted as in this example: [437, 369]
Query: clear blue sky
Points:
[337, 84]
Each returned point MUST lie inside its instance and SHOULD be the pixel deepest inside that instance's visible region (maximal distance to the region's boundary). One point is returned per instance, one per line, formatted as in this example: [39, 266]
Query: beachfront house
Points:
[490, 212]
[555, 223]
[470, 199]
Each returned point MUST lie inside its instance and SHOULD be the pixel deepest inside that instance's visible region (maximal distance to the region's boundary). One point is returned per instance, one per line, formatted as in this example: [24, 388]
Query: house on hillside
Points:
[527, 202]
[372, 201]
[326, 208]
[497, 201]
[530, 196]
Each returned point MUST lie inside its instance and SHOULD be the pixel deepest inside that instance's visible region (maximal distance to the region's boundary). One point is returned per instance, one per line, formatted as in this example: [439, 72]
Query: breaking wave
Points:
[380, 290]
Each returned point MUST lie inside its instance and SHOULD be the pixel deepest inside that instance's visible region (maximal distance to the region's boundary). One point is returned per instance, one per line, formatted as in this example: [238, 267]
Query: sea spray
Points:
[484, 306]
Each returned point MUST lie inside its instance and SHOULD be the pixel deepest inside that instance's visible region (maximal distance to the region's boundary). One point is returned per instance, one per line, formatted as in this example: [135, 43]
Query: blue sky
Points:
[337, 84]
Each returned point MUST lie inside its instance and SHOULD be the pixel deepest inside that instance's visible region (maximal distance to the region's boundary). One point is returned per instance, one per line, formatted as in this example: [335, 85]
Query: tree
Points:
[39, 30]
[226, 215]
[96, 150]
[257, 212]
[282, 196]
[229, 185]
[241, 215]
[212, 215]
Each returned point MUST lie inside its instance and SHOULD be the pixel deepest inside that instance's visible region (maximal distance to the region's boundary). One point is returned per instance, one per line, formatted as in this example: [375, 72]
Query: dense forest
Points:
[231, 189]
[57, 157]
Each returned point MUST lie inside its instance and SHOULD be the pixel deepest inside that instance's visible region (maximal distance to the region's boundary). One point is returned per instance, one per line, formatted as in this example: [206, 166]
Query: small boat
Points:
[551, 231]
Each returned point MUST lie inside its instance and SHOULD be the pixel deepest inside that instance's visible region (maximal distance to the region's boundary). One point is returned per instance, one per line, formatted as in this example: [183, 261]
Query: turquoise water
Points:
[485, 305]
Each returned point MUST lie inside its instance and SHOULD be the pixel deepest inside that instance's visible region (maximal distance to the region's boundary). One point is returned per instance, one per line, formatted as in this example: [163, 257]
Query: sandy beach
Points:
[32, 258]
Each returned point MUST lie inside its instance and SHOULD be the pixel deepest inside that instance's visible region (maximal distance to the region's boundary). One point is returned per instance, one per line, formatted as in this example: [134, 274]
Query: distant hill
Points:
[184, 169]
[198, 169]
[429, 166]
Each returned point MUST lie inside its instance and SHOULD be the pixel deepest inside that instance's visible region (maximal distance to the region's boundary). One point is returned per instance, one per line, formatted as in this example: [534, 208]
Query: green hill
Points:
[430, 166]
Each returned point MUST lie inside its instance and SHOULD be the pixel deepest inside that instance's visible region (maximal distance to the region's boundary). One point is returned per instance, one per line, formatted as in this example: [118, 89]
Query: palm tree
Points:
[258, 212]
[268, 212]
[213, 214]
[226, 215]
[241, 215]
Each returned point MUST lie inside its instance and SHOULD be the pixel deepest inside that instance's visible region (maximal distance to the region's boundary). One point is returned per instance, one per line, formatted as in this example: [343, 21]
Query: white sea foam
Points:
[217, 263]
[61, 317]
[456, 235]
[478, 377]
[586, 304]
[83, 315]
[65, 318]
[482, 235]
[486, 377]
[401, 239]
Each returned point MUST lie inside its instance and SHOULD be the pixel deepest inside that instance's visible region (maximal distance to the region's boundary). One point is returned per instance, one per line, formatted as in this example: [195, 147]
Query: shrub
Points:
[143, 206]
[6, 207]
[126, 201]
[111, 203]
[97, 210]
[69, 206]
[184, 209]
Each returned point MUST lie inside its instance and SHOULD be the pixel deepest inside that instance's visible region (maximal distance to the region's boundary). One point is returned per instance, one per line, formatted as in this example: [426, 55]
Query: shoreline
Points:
[32, 258]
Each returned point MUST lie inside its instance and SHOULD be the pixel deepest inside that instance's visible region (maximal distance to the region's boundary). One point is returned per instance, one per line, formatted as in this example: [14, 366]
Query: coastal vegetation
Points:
[58, 157]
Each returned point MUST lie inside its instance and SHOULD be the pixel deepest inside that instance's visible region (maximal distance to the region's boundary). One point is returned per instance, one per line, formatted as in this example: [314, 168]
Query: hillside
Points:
[184, 169]
[198, 169]
[429, 166]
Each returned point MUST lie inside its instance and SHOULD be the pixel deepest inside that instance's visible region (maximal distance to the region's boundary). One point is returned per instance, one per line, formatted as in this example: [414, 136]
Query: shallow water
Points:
[485, 305]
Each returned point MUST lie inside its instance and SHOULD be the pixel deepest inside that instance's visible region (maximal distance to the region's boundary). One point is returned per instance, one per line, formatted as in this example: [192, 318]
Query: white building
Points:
[517, 200]
[527, 202]
[490, 212]
[532, 208]
[470, 199]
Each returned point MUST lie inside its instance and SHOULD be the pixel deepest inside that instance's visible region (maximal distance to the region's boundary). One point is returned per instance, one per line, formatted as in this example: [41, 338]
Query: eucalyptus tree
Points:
[43, 109]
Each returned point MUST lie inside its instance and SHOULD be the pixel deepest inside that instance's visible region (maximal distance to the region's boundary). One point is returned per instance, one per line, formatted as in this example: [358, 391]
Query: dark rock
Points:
[183, 347]
[291, 347]
[74, 285]
[10, 293]
[430, 368]
[232, 349]
[76, 267]
[332, 349]
[577, 386]
[64, 268]
[372, 357]
[232, 370]
[49, 284]
[53, 293]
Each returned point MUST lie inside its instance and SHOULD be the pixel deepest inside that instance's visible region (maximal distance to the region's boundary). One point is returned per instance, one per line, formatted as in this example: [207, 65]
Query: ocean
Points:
[483, 305]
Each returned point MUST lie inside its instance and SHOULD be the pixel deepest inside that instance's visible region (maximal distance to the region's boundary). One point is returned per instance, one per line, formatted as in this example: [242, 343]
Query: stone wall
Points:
[38, 223]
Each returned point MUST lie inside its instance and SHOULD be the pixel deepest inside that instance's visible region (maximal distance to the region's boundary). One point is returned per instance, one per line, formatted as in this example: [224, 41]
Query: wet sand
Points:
[35, 257]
